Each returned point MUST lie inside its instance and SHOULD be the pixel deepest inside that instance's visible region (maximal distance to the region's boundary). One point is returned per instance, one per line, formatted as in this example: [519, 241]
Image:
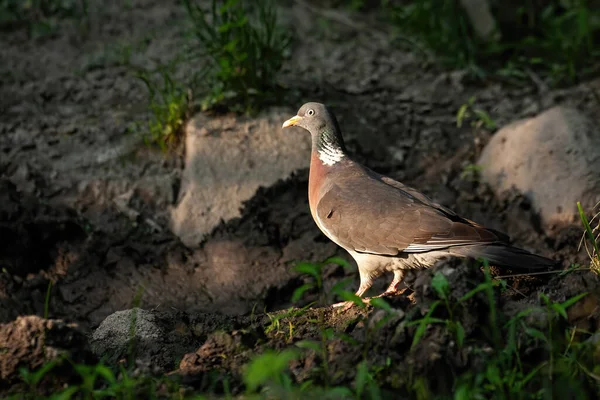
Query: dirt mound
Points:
[32, 342]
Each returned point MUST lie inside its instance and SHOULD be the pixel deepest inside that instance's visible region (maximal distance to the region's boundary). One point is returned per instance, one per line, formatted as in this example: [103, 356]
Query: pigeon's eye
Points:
[310, 112]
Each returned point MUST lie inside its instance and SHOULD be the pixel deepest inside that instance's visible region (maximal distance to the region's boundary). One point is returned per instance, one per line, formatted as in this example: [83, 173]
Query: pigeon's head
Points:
[324, 130]
[315, 118]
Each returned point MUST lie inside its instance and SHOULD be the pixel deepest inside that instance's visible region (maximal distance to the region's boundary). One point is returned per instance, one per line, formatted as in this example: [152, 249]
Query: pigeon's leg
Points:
[366, 281]
[393, 288]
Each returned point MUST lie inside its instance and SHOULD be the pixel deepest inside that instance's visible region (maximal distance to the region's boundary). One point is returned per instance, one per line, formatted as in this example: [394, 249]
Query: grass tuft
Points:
[239, 48]
[478, 117]
[39, 17]
[169, 104]
[593, 236]
[557, 361]
[552, 38]
[244, 48]
[47, 300]
[268, 368]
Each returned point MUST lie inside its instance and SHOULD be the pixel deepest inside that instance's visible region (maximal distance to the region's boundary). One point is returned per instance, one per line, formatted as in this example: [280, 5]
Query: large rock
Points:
[226, 160]
[553, 159]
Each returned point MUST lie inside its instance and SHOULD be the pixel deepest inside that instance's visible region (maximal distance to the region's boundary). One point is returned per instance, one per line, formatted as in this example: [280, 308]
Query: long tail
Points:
[502, 255]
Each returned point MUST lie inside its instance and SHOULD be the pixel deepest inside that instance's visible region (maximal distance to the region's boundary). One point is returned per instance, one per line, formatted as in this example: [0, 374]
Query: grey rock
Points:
[227, 159]
[553, 159]
[480, 17]
[156, 338]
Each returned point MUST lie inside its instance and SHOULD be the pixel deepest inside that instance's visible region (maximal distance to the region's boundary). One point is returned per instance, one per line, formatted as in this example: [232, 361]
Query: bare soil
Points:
[84, 203]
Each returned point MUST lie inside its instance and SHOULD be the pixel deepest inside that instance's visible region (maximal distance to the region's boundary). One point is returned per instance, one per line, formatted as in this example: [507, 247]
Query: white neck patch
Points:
[330, 155]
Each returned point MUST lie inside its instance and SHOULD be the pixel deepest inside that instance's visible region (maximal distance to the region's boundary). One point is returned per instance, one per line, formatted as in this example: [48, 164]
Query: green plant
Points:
[169, 104]
[471, 172]
[39, 16]
[365, 384]
[441, 26]
[97, 381]
[356, 5]
[244, 48]
[508, 375]
[315, 271]
[117, 54]
[276, 318]
[478, 117]
[47, 300]
[561, 39]
[593, 238]
[33, 378]
[557, 362]
[554, 38]
[269, 368]
[440, 285]
[267, 374]
[132, 341]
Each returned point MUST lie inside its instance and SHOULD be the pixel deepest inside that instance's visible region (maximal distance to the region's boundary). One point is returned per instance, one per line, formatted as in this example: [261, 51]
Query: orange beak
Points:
[291, 122]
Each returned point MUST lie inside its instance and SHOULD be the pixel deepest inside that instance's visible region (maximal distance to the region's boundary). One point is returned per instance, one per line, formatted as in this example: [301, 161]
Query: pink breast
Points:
[315, 181]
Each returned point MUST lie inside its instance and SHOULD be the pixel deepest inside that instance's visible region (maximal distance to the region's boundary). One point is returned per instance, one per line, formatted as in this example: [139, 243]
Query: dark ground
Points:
[66, 101]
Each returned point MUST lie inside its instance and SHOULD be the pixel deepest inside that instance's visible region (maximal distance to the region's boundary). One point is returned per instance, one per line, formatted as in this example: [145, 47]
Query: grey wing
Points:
[501, 236]
[416, 194]
[380, 219]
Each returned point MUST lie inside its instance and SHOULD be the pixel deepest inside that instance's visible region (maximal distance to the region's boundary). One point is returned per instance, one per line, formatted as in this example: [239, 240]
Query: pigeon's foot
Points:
[388, 293]
[364, 286]
[344, 305]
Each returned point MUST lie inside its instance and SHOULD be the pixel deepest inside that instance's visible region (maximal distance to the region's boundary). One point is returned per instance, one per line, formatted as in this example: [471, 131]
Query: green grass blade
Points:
[588, 228]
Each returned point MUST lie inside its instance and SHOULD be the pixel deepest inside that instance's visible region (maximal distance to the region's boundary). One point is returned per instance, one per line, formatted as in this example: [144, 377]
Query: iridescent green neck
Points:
[330, 146]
